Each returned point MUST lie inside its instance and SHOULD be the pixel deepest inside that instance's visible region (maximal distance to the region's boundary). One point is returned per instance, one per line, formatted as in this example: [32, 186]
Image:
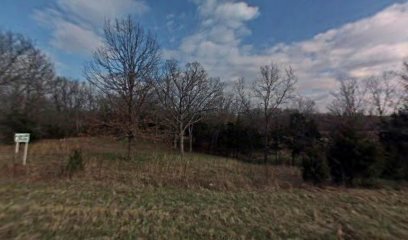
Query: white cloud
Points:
[73, 38]
[358, 49]
[75, 24]
[96, 11]
[217, 42]
[231, 14]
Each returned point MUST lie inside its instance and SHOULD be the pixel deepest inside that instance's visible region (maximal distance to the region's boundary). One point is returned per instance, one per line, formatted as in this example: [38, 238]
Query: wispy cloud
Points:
[217, 42]
[358, 49]
[75, 24]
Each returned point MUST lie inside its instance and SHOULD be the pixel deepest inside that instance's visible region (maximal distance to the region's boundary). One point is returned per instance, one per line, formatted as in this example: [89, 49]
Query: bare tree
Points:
[27, 87]
[25, 76]
[13, 49]
[186, 95]
[273, 88]
[71, 100]
[304, 105]
[122, 69]
[383, 93]
[404, 74]
[404, 77]
[349, 99]
[242, 99]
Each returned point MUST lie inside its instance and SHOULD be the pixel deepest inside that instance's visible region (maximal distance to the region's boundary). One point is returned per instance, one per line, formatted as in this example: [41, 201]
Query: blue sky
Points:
[320, 39]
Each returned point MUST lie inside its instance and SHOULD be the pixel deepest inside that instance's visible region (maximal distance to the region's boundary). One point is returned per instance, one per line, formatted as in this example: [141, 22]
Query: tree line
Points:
[133, 94]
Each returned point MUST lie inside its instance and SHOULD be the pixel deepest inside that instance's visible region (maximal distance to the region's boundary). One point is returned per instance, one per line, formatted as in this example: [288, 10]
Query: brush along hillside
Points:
[83, 188]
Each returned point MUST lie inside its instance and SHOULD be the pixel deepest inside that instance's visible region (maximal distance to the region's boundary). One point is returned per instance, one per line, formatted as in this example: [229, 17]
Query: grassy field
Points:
[158, 195]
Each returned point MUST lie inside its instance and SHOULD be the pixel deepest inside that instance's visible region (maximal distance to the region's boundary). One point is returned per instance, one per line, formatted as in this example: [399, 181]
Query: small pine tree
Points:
[75, 163]
[394, 137]
[314, 165]
[352, 155]
[15, 122]
[303, 133]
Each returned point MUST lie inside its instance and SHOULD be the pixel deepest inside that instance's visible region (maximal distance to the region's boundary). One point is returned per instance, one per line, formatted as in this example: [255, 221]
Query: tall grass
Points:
[159, 195]
[152, 165]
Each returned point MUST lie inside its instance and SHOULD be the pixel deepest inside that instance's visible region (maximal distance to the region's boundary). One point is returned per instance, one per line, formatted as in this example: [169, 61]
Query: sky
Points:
[322, 40]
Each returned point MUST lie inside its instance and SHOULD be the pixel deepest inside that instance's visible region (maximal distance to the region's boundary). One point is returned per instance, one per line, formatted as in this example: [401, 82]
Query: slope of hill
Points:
[159, 195]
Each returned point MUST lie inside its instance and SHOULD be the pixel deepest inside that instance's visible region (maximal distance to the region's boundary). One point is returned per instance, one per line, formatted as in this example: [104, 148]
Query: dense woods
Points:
[133, 94]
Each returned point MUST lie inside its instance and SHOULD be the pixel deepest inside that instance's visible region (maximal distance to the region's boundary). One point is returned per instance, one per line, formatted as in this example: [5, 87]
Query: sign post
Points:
[22, 138]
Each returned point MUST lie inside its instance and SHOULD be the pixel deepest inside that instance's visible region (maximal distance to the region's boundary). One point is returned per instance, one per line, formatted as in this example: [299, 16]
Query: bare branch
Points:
[274, 88]
[349, 99]
[383, 95]
[123, 69]
[185, 95]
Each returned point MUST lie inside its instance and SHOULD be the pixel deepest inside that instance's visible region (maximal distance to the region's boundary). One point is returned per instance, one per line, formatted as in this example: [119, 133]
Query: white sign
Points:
[21, 137]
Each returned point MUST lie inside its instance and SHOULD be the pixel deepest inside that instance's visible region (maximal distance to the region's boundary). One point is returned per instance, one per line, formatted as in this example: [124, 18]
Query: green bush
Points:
[15, 122]
[353, 156]
[314, 165]
[302, 132]
[394, 138]
[75, 163]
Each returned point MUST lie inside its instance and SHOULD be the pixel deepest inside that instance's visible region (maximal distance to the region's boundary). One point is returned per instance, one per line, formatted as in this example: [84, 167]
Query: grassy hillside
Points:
[158, 195]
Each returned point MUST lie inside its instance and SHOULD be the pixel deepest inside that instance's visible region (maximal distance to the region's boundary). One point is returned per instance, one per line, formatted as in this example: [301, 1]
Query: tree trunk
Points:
[181, 142]
[156, 128]
[130, 126]
[190, 136]
[175, 141]
[266, 140]
[277, 129]
[214, 140]
[76, 123]
[266, 149]
[129, 147]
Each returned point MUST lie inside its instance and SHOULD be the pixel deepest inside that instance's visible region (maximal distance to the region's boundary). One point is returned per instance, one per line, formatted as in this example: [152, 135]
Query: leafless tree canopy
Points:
[349, 99]
[304, 105]
[186, 95]
[14, 49]
[242, 98]
[72, 100]
[383, 94]
[273, 88]
[25, 74]
[122, 69]
[404, 74]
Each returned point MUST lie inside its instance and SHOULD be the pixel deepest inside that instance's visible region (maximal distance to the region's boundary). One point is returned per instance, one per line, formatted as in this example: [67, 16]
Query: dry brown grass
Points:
[153, 165]
[159, 195]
